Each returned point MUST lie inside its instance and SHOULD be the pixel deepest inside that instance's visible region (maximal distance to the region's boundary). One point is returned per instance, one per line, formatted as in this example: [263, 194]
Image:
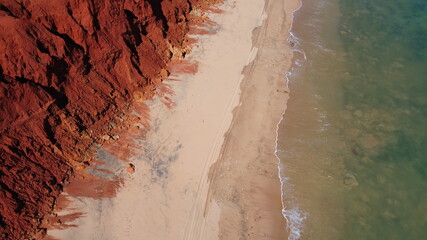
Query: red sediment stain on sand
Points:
[103, 170]
[165, 91]
[214, 9]
[54, 221]
[87, 185]
[127, 144]
[168, 102]
[203, 27]
[62, 222]
[62, 202]
[183, 67]
[205, 23]
[48, 237]
[98, 162]
[200, 31]
[174, 79]
[143, 114]
[191, 41]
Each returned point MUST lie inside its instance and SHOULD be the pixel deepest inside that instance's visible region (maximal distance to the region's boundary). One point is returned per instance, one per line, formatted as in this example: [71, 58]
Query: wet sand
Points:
[206, 168]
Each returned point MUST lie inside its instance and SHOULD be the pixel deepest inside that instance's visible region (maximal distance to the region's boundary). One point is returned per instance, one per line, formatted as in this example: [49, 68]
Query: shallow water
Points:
[353, 140]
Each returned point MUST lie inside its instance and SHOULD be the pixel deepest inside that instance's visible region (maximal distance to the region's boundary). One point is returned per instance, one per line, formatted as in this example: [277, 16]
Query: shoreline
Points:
[175, 190]
[260, 226]
[294, 220]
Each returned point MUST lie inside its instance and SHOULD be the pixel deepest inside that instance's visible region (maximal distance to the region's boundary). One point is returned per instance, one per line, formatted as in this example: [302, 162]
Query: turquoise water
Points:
[353, 142]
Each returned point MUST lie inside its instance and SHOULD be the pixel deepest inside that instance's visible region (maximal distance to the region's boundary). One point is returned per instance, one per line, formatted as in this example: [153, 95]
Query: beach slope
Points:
[244, 181]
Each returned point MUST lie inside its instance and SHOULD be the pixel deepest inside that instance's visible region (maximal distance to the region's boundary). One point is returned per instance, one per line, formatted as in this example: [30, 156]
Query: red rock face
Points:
[68, 71]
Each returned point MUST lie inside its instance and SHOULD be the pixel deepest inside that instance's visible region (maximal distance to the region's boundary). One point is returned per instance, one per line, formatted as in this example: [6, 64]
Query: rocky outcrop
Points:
[69, 69]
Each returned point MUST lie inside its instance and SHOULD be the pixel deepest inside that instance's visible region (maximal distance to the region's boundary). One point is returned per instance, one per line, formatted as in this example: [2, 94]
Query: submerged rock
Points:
[350, 180]
[368, 141]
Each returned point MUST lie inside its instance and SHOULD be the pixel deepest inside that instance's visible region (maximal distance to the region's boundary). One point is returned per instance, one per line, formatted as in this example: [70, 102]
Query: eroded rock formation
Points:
[69, 69]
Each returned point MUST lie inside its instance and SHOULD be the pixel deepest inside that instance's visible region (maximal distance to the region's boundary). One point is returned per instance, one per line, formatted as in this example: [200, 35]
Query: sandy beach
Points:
[250, 205]
[206, 166]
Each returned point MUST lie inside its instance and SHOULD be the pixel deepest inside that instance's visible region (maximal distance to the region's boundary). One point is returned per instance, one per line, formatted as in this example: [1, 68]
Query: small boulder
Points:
[350, 180]
[130, 168]
[106, 137]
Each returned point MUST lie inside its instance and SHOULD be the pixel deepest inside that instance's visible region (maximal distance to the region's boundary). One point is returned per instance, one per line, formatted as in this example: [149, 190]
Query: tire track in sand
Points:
[196, 224]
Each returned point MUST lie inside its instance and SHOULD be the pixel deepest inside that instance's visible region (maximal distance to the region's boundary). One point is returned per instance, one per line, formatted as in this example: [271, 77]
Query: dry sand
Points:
[207, 168]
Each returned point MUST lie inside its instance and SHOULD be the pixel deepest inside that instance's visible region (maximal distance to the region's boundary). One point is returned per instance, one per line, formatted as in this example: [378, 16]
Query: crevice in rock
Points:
[59, 68]
[94, 12]
[156, 6]
[2, 77]
[70, 12]
[132, 20]
[15, 196]
[86, 65]
[61, 99]
[132, 48]
[41, 47]
[50, 135]
[69, 42]
[5, 9]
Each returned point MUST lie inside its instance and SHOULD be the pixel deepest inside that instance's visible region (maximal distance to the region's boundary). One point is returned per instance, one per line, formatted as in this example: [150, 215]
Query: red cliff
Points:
[69, 69]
